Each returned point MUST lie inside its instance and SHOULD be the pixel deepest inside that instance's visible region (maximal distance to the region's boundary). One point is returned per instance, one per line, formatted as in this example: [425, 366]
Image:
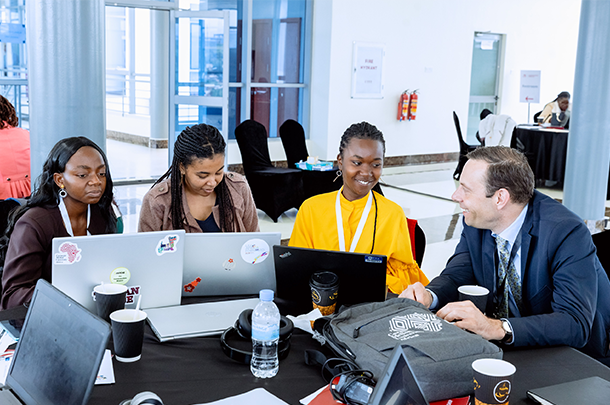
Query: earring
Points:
[62, 192]
[339, 174]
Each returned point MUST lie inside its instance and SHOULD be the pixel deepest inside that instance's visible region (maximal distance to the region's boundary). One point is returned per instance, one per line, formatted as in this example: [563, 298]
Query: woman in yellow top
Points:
[357, 219]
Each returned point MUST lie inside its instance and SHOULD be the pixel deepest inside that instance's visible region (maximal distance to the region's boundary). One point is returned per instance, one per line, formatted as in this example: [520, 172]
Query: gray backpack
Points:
[440, 354]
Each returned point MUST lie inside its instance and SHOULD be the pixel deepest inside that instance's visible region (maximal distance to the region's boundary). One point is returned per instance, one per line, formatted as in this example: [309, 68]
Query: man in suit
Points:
[535, 256]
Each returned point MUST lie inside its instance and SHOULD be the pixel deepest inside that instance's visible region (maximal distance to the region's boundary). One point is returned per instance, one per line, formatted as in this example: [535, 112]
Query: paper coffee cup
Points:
[109, 298]
[493, 381]
[128, 334]
[476, 294]
[324, 291]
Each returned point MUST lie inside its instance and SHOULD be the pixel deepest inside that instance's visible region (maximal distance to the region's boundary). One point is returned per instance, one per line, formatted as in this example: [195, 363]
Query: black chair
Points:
[601, 241]
[314, 182]
[536, 116]
[274, 189]
[464, 148]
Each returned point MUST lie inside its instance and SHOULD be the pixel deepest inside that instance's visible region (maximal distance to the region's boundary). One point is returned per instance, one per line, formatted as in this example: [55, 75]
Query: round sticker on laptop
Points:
[255, 251]
[120, 275]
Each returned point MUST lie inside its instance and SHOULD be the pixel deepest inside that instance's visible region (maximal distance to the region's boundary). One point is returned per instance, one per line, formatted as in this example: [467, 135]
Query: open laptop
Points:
[397, 385]
[194, 320]
[59, 352]
[362, 277]
[149, 264]
[228, 263]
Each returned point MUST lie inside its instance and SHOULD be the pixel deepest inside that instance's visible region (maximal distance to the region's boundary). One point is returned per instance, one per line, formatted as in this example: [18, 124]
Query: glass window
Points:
[13, 62]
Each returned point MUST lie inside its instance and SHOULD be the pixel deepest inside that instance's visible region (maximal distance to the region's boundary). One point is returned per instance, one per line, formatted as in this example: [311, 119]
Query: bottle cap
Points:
[266, 295]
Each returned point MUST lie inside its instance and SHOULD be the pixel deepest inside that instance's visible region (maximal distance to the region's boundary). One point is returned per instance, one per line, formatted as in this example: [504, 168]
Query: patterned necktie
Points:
[509, 276]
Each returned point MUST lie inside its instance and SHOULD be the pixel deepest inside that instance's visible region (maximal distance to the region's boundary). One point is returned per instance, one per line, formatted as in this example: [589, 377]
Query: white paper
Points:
[106, 373]
[5, 363]
[303, 322]
[5, 339]
[258, 396]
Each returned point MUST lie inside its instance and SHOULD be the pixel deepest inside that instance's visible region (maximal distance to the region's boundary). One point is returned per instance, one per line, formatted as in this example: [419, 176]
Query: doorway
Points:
[487, 55]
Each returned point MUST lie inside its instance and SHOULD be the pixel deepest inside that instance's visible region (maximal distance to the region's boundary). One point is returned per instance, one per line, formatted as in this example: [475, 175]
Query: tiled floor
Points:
[423, 191]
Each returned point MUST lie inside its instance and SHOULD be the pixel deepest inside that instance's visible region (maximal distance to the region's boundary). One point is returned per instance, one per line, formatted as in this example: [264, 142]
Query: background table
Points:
[546, 151]
[195, 370]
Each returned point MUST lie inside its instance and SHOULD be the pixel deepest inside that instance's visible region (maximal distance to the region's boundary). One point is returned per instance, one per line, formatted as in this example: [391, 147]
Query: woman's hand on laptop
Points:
[417, 292]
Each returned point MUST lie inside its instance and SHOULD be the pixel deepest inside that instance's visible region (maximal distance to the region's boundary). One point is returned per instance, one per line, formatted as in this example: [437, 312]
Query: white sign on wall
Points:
[367, 70]
[530, 86]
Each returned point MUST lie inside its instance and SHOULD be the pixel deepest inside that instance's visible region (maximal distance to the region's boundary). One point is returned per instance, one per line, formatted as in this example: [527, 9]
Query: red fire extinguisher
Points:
[403, 106]
[412, 106]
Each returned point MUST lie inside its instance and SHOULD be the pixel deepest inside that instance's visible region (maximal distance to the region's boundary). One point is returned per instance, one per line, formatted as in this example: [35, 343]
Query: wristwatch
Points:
[508, 331]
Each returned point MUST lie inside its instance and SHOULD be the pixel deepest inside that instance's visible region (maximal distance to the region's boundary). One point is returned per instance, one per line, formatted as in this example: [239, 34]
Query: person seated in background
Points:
[14, 154]
[536, 257]
[557, 112]
[73, 197]
[196, 194]
[357, 219]
[495, 129]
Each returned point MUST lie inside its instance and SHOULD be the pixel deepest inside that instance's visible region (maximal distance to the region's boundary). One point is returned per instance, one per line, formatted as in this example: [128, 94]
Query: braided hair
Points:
[198, 142]
[362, 130]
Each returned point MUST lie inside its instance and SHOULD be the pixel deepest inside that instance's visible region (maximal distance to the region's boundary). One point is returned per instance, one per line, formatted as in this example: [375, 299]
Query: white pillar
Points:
[66, 73]
[159, 78]
[588, 158]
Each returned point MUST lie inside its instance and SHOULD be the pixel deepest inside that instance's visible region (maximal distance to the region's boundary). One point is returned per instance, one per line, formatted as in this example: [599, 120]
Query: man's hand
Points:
[467, 316]
[417, 292]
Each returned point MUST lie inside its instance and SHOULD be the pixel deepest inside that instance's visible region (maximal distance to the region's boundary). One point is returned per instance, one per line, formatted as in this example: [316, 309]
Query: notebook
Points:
[228, 263]
[397, 385]
[59, 353]
[362, 277]
[207, 319]
[590, 391]
[149, 264]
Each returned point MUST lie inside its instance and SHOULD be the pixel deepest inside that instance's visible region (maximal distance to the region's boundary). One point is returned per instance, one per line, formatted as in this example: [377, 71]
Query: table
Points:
[546, 151]
[195, 370]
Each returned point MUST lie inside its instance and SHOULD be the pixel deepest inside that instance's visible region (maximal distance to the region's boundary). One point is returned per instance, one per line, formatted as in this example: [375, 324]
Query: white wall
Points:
[429, 47]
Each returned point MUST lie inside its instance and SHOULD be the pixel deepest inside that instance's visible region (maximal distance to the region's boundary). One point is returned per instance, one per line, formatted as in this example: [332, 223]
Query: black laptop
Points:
[59, 352]
[362, 277]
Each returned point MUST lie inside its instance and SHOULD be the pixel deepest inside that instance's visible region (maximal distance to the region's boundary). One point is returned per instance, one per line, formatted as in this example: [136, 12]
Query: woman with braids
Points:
[14, 154]
[195, 194]
[73, 197]
[357, 219]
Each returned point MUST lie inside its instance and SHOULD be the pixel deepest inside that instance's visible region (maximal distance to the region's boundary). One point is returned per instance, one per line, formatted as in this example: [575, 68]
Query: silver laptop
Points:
[149, 264]
[59, 352]
[207, 319]
[228, 263]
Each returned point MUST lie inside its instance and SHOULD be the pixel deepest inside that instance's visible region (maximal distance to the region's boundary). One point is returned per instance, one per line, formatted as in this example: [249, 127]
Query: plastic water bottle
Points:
[265, 337]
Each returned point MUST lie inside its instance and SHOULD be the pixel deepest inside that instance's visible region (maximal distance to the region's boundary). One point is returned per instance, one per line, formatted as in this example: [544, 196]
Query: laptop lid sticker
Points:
[120, 275]
[68, 253]
[255, 251]
[169, 244]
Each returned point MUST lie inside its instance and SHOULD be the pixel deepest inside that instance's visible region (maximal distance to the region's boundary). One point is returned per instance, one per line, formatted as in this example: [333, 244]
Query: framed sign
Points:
[530, 86]
[367, 70]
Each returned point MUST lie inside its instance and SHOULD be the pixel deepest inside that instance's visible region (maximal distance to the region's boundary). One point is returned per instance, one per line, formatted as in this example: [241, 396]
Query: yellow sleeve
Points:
[302, 231]
[402, 268]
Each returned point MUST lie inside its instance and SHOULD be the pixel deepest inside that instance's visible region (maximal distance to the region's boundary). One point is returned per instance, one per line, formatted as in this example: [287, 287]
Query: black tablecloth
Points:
[195, 370]
[546, 152]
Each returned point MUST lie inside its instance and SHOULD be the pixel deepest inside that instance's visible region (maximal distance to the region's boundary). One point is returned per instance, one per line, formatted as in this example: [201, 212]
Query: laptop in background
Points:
[362, 277]
[59, 352]
[232, 263]
[149, 264]
[592, 391]
[194, 320]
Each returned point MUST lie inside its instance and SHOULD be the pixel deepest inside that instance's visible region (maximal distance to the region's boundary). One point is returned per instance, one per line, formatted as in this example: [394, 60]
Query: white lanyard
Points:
[66, 218]
[340, 231]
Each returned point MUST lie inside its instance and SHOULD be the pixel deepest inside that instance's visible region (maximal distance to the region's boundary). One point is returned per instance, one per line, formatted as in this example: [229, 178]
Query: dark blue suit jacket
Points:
[566, 292]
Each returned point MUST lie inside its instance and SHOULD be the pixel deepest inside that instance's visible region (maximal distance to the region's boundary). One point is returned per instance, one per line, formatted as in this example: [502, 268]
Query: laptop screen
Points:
[59, 352]
[397, 385]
